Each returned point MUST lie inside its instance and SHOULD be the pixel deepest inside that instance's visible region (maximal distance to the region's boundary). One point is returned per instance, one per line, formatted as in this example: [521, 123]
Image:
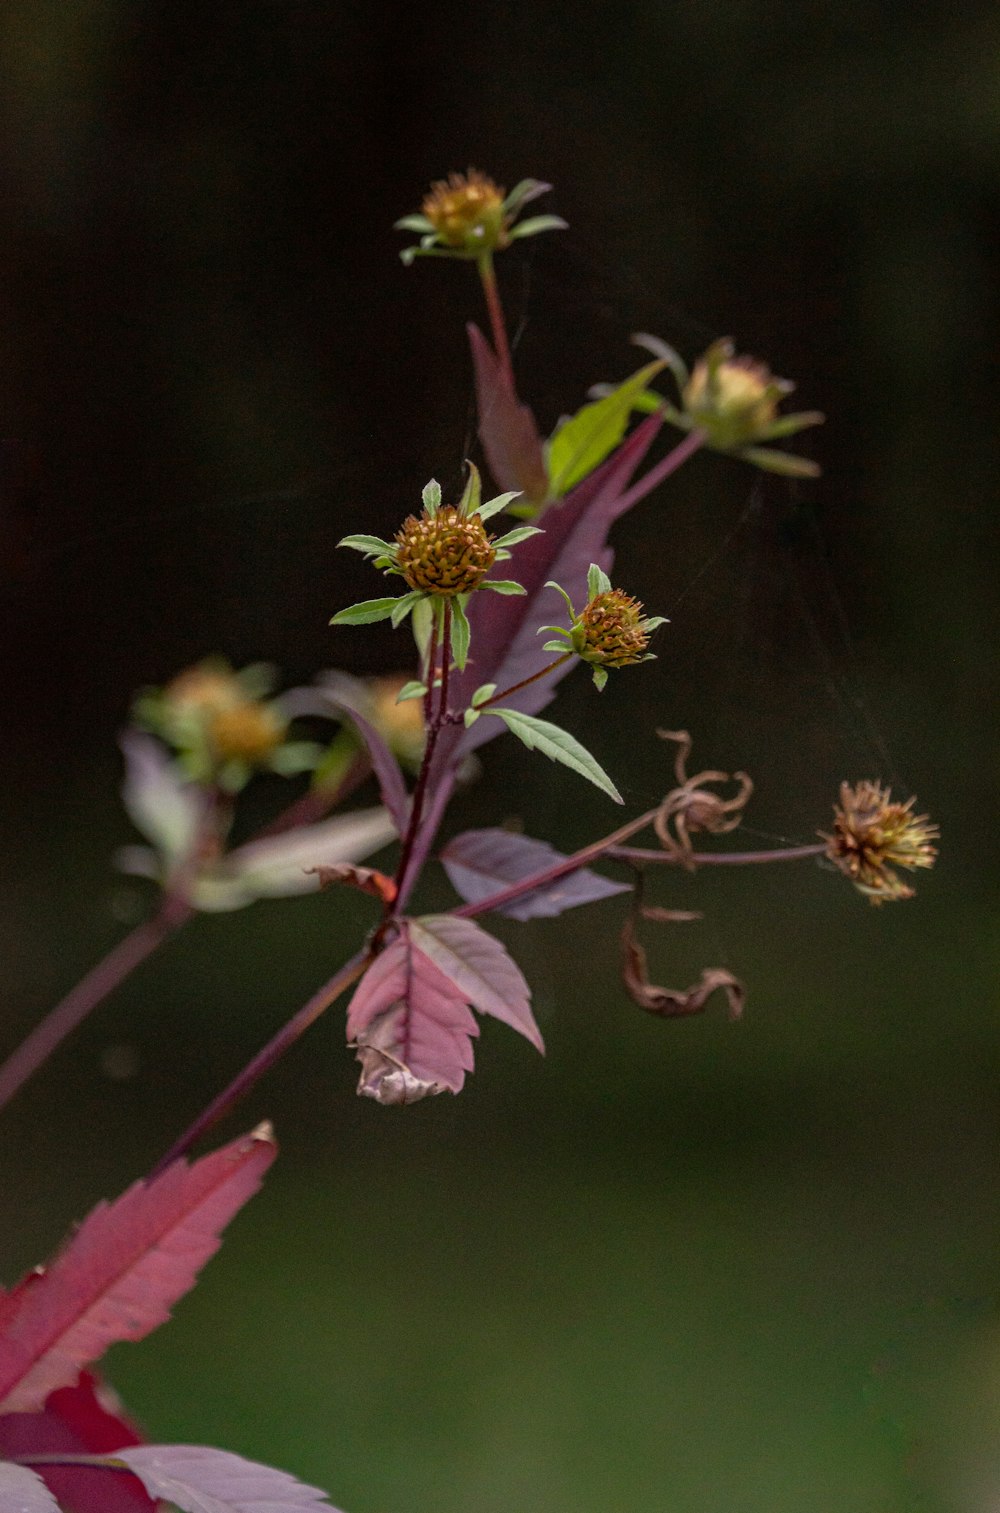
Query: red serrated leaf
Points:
[483, 862]
[83, 1419]
[410, 1016]
[119, 1275]
[199, 1479]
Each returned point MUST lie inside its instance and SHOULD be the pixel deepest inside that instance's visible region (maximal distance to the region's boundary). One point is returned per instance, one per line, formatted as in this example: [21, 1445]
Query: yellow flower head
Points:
[466, 210]
[446, 553]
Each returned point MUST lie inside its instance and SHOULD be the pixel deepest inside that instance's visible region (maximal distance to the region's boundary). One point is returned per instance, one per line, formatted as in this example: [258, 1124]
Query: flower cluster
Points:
[223, 726]
[610, 630]
[467, 215]
[872, 835]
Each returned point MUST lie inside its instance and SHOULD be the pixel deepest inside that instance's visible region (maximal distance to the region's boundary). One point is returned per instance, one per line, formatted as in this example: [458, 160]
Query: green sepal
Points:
[372, 546]
[494, 506]
[560, 590]
[667, 354]
[503, 586]
[522, 192]
[598, 581]
[600, 677]
[519, 533]
[412, 223]
[654, 622]
[558, 745]
[431, 495]
[790, 425]
[536, 223]
[461, 631]
[470, 717]
[404, 606]
[559, 646]
[367, 612]
[773, 461]
[472, 494]
[422, 621]
[411, 690]
[483, 692]
[560, 630]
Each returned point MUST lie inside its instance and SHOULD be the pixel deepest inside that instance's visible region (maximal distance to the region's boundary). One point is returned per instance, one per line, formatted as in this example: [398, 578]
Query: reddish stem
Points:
[101, 980]
[505, 693]
[498, 325]
[435, 722]
[717, 858]
[266, 1058]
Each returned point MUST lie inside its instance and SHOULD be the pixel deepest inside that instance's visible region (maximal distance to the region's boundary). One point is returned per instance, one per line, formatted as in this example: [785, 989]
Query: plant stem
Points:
[552, 874]
[663, 469]
[498, 325]
[266, 1058]
[98, 983]
[505, 693]
[716, 858]
[435, 721]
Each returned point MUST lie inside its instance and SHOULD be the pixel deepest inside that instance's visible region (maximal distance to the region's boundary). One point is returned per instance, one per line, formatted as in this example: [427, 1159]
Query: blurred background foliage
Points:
[672, 1267]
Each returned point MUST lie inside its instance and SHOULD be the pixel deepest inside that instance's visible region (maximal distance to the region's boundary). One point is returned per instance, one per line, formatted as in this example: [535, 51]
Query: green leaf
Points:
[673, 359]
[582, 442]
[483, 692]
[403, 607]
[494, 506]
[504, 586]
[470, 717]
[431, 496]
[654, 622]
[790, 425]
[372, 546]
[367, 612]
[460, 631]
[559, 646]
[472, 495]
[536, 223]
[598, 581]
[522, 192]
[411, 690]
[600, 677]
[558, 745]
[520, 533]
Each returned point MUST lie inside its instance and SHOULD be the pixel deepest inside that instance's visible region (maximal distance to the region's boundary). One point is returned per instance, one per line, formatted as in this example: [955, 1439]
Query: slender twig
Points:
[548, 875]
[498, 325]
[663, 469]
[542, 672]
[437, 719]
[98, 983]
[715, 858]
[265, 1059]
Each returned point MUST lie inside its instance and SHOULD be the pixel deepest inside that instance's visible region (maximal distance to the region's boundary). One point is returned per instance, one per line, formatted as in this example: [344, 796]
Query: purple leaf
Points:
[338, 694]
[483, 862]
[410, 1015]
[23, 1491]
[83, 1419]
[122, 1270]
[199, 1479]
[507, 428]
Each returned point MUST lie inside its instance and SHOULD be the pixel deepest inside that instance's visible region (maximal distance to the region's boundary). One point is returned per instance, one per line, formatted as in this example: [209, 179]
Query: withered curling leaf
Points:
[411, 1018]
[365, 879]
[671, 1003]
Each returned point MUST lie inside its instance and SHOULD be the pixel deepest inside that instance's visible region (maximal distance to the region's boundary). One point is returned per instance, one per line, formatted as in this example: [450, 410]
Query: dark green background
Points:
[672, 1268]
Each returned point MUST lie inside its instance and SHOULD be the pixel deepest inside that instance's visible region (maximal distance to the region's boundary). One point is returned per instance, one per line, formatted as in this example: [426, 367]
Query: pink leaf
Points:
[410, 1016]
[483, 862]
[23, 1491]
[198, 1479]
[120, 1273]
[85, 1418]
[507, 428]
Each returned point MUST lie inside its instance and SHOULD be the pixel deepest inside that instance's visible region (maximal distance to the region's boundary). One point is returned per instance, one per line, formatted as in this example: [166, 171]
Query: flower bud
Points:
[247, 732]
[467, 211]
[734, 400]
[611, 631]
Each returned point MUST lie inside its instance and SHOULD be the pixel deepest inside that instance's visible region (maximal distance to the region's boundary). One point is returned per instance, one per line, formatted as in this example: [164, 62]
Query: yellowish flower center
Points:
[466, 210]
[447, 553]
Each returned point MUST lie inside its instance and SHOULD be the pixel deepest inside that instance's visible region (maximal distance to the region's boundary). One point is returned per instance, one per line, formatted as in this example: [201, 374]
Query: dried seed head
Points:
[466, 210]
[248, 732]
[446, 553]
[610, 631]
[871, 835]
